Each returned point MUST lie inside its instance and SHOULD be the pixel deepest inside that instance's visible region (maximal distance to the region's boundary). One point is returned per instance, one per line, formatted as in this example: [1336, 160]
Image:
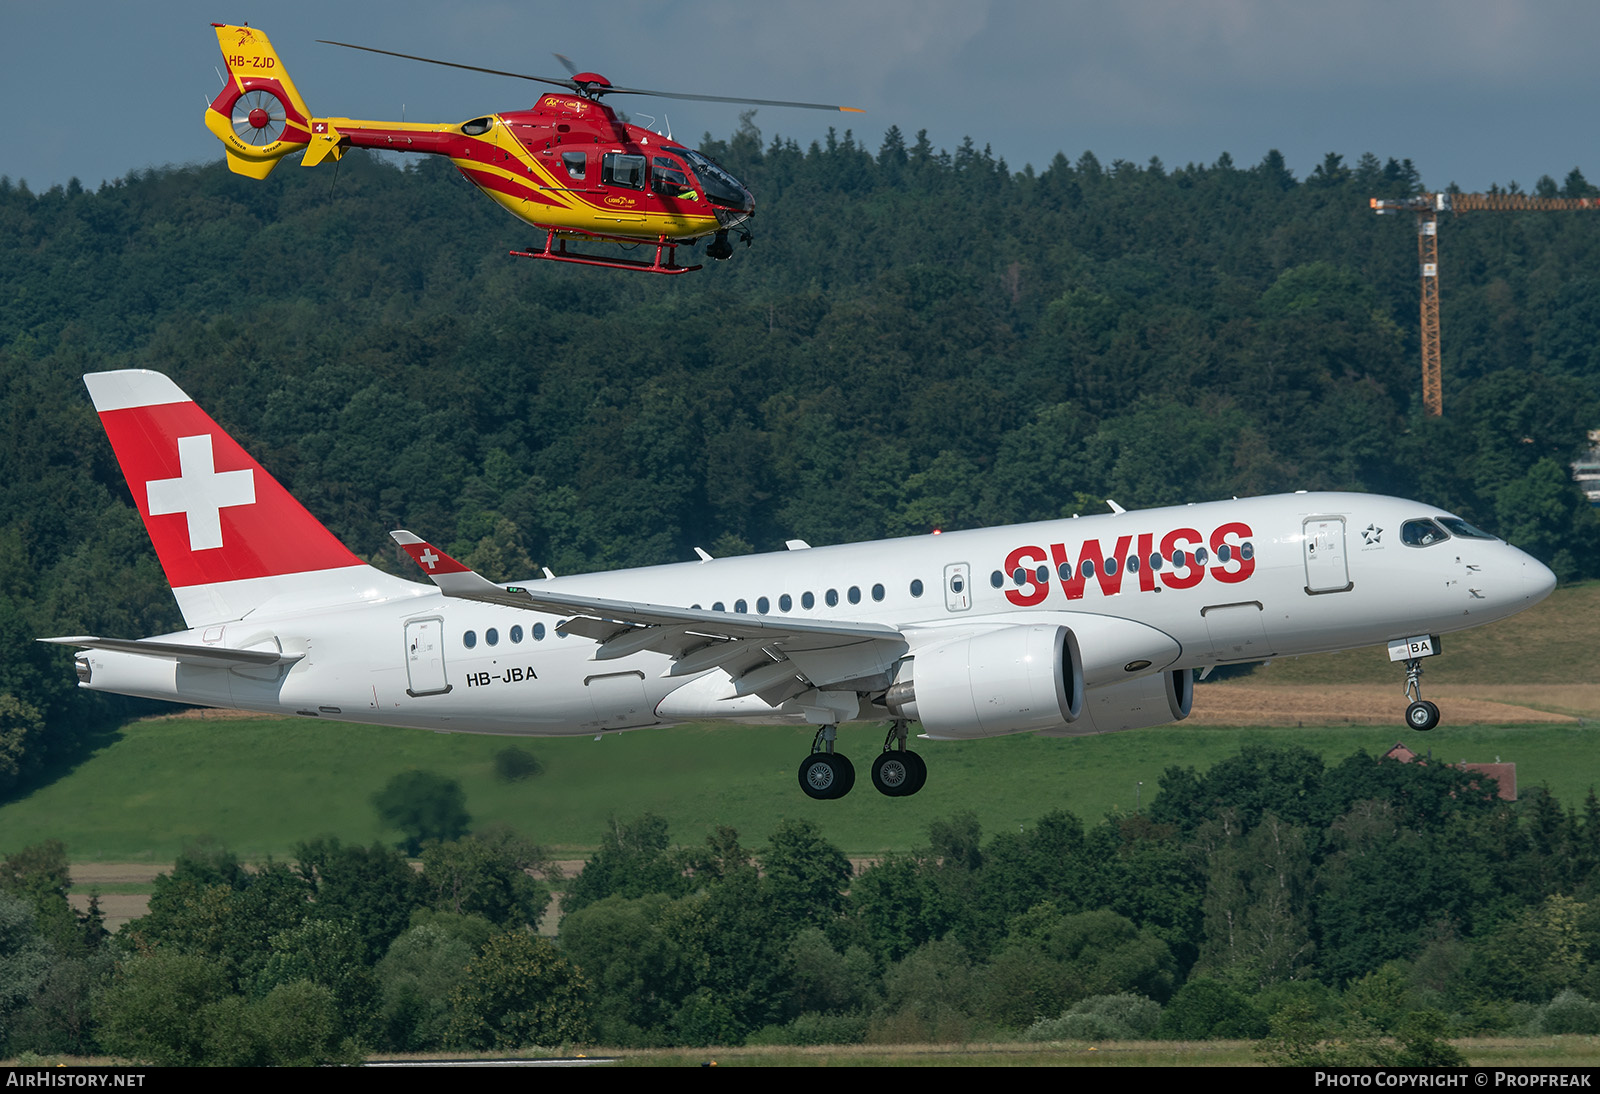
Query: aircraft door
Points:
[425, 657]
[1327, 570]
[957, 587]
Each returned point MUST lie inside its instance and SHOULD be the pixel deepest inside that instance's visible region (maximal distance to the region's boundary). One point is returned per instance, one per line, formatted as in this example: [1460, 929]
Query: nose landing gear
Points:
[1421, 715]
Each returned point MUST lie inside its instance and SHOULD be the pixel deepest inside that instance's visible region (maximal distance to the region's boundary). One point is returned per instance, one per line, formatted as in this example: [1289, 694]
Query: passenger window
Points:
[538, 632]
[832, 598]
[855, 594]
[916, 586]
[741, 607]
[997, 579]
[620, 169]
[576, 163]
[785, 603]
[807, 601]
[717, 607]
[1042, 575]
[491, 637]
[469, 639]
[516, 634]
[877, 592]
[477, 127]
[762, 605]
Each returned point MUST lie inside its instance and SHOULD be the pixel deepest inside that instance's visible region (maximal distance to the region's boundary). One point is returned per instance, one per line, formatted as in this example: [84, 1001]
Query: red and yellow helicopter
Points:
[568, 165]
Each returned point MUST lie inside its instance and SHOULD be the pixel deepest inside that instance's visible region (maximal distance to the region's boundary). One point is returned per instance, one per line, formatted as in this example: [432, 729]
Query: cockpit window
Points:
[1422, 533]
[1461, 528]
[477, 127]
[721, 188]
[668, 179]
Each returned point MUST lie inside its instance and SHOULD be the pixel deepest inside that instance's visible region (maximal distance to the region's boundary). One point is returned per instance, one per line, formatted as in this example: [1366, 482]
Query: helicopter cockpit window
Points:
[576, 163]
[1422, 533]
[668, 178]
[477, 127]
[720, 187]
[621, 169]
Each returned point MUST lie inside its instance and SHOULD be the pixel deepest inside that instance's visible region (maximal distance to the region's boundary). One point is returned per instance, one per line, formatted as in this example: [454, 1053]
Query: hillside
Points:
[918, 339]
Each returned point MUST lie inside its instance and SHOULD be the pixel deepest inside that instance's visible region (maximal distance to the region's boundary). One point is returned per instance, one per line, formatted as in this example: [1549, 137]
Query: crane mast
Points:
[1427, 208]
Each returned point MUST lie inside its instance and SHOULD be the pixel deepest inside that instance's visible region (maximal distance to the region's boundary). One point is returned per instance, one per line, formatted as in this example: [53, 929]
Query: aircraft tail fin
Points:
[259, 117]
[229, 536]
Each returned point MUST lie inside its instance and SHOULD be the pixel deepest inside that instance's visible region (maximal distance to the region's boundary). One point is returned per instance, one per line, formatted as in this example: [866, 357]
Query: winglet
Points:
[455, 578]
[433, 561]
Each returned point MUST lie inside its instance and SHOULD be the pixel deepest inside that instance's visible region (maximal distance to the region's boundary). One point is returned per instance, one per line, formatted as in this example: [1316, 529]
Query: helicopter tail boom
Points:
[259, 116]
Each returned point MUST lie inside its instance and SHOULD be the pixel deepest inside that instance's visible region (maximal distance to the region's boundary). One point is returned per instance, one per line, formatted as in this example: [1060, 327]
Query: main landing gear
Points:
[1421, 715]
[897, 772]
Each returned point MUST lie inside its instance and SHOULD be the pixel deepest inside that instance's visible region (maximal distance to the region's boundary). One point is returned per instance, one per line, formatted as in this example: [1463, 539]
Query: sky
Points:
[1472, 91]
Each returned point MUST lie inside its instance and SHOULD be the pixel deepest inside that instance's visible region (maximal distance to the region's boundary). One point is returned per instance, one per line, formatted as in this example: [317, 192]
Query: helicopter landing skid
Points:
[555, 249]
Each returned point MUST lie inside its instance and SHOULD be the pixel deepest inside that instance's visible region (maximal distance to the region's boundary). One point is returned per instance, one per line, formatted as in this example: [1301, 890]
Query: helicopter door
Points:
[622, 169]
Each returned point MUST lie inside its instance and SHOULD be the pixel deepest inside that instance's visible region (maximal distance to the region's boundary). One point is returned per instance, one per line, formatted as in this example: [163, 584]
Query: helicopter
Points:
[568, 165]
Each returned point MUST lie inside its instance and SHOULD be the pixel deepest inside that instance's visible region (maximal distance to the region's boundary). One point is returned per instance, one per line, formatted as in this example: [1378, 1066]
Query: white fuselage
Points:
[1324, 572]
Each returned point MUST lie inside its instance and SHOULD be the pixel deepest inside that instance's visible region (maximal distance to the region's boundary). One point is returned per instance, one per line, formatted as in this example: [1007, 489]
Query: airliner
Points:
[1063, 628]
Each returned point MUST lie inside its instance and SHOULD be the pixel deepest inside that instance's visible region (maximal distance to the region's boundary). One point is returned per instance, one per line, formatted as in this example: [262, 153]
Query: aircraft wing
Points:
[214, 656]
[765, 655]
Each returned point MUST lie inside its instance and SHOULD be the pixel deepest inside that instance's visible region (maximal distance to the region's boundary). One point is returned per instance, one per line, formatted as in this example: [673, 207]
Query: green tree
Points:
[520, 992]
[424, 806]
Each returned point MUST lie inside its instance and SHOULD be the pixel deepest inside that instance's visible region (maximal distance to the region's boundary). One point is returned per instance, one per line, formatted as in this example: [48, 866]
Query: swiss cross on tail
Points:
[213, 513]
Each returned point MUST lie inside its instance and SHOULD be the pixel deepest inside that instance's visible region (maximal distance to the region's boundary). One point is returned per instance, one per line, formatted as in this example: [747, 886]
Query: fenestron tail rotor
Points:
[259, 117]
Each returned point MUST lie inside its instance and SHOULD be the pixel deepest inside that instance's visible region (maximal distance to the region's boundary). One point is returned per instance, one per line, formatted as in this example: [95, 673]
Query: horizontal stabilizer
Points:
[214, 656]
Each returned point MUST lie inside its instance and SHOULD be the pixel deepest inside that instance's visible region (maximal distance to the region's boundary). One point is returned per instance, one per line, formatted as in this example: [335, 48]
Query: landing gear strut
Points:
[826, 774]
[896, 772]
[1421, 715]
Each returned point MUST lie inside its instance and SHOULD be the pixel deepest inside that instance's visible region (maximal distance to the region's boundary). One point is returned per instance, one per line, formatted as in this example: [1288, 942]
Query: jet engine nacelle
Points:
[1009, 680]
[1157, 699]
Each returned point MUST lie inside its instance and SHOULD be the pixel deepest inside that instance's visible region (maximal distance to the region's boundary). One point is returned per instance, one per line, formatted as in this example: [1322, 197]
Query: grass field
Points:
[263, 784]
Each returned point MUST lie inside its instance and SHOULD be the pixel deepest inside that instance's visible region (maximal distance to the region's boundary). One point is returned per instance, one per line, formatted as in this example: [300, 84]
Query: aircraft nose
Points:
[1538, 581]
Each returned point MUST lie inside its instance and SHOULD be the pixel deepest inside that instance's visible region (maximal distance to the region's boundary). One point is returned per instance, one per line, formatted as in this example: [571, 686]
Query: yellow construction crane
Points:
[1427, 208]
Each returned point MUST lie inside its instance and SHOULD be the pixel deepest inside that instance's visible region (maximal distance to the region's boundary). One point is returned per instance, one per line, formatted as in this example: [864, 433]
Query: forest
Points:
[916, 339]
[1359, 912]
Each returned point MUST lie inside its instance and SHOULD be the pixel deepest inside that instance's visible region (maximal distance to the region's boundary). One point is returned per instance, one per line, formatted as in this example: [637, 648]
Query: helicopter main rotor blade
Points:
[730, 99]
[592, 90]
[568, 84]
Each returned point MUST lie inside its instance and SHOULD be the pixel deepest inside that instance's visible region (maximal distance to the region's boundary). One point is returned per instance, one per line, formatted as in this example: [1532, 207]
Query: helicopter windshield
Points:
[720, 187]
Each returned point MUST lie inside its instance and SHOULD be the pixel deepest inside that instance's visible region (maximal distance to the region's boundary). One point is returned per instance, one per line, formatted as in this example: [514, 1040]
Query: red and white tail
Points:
[229, 537]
